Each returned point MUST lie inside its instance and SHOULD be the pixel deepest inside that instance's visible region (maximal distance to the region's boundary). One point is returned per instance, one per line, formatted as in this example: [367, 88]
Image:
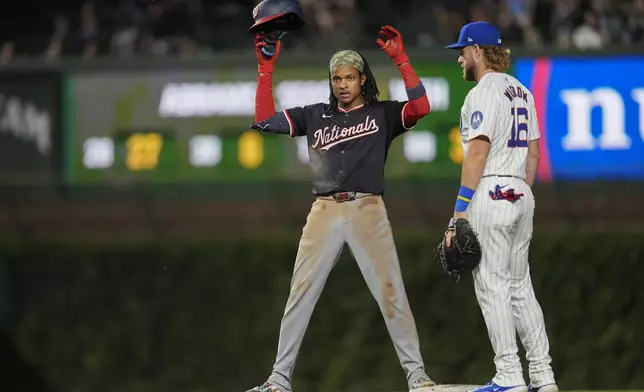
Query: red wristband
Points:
[401, 59]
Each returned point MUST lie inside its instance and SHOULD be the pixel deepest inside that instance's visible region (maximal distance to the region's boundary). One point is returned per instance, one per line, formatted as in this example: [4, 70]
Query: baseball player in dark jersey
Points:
[348, 139]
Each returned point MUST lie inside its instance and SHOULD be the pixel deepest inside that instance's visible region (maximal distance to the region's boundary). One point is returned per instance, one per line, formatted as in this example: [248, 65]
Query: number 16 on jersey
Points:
[519, 133]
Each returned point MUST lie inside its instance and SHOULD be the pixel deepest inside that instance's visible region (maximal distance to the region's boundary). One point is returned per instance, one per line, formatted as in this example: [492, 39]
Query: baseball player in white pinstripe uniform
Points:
[500, 136]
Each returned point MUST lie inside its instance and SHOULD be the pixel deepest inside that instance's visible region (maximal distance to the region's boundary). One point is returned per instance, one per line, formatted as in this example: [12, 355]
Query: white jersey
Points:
[501, 108]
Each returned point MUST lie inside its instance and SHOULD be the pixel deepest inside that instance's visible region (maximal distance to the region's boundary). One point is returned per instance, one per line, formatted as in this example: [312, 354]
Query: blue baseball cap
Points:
[477, 33]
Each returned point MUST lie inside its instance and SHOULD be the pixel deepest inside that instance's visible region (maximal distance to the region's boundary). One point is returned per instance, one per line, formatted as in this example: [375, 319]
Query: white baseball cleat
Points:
[422, 385]
[266, 387]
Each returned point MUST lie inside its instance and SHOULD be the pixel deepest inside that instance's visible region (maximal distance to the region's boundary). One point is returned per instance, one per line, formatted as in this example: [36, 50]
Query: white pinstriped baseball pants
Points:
[503, 285]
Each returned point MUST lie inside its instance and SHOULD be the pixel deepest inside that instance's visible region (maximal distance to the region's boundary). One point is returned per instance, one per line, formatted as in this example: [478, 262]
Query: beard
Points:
[470, 73]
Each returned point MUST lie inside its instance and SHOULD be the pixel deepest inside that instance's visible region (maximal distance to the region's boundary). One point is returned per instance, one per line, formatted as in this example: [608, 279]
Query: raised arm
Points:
[287, 122]
[418, 105]
[264, 101]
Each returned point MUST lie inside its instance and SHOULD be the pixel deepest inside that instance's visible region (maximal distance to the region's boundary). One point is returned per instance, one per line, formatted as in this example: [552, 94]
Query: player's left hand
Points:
[391, 42]
[460, 251]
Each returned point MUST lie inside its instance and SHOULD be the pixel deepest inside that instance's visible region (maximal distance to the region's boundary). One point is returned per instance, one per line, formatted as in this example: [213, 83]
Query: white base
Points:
[448, 388]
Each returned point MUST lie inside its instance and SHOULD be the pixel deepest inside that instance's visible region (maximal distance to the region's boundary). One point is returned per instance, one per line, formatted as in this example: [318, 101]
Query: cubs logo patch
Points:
[476, 119]
[255, 11]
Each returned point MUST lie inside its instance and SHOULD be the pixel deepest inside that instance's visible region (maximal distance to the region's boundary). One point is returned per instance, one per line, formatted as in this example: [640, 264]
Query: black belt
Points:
[341, 197]
[503, 175]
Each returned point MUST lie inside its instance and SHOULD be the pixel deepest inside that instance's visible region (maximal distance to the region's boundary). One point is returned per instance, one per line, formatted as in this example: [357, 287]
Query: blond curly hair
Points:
[497, 58]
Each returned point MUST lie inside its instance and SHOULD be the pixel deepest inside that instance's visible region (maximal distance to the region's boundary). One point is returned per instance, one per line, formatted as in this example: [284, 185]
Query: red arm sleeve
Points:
[264, 102]
[418, 106]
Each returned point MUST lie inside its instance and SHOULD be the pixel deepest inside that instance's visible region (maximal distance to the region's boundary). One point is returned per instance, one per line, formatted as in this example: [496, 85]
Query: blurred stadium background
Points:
[147, 235]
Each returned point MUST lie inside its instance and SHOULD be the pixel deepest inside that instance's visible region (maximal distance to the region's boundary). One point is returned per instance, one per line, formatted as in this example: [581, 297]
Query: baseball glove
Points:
[464, 253]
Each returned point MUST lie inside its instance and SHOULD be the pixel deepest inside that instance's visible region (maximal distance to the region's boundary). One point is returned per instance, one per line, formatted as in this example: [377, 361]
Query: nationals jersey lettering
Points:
[502, 109]
[327, 138]
[347, 148]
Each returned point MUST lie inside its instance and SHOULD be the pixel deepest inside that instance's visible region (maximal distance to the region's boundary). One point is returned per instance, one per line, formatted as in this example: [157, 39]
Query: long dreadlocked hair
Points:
[370, 90]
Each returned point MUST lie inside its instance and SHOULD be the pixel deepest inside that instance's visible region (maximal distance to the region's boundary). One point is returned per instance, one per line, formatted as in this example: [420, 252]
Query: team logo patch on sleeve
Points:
[476, 120]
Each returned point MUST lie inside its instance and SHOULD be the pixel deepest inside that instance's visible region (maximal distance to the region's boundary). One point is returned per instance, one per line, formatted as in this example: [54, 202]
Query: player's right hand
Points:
[264, 62]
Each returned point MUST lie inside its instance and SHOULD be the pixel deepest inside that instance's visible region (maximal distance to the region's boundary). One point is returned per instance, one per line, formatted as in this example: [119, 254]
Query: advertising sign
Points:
[591, 113]
[193, 125]
[29, 127]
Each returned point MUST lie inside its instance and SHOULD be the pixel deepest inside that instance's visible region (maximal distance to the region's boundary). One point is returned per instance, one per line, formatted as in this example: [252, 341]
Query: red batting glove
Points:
[265, 63]
[392, 44]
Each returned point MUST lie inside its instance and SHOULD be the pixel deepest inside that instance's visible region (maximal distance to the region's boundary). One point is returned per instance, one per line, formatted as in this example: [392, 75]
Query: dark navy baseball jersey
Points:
[347, 149]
